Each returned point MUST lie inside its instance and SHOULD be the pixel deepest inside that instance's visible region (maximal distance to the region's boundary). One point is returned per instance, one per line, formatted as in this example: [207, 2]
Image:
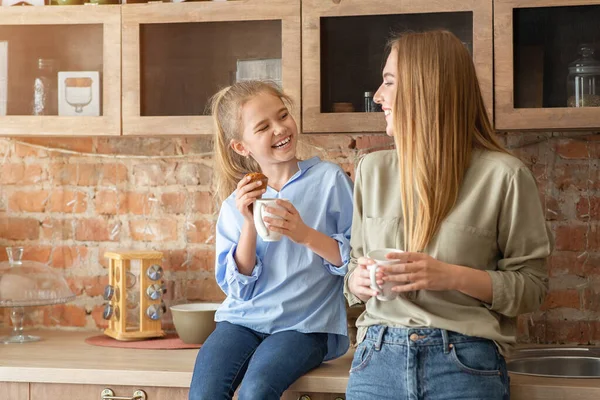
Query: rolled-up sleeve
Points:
[520, 283]
[227, 274]
[340, 210]
[356, 241]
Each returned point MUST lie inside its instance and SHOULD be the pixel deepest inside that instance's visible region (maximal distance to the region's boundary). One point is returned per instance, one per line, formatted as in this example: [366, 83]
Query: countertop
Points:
[64, 357]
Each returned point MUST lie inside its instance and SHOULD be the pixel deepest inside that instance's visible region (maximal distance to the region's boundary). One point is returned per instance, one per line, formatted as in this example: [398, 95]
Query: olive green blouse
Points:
[497, 225]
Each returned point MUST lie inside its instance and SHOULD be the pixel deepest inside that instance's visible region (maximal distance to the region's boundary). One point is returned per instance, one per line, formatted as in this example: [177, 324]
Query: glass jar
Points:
[469, 47]
[583, 82]
[45, 90]
[368, 102]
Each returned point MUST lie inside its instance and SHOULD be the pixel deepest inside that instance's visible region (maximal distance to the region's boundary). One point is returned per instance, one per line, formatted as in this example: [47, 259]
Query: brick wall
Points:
[68, 207]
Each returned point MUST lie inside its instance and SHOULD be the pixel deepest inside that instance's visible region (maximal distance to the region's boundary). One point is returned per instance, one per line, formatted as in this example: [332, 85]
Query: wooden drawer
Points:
[14, 391]
[52, 391]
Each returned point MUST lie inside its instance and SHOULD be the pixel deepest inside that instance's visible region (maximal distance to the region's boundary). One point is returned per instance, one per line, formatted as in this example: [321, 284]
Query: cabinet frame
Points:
[312, 10]
[134, 15]
[507, 117]
[109, 123]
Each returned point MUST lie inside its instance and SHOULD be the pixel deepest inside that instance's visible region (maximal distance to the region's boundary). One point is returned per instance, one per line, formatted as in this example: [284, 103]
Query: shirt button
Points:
[414, 337]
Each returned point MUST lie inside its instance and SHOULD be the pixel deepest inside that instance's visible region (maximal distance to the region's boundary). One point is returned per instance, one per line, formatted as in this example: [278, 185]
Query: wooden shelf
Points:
[343, 52]
[175, 58]
[80, 38]
[535, 40]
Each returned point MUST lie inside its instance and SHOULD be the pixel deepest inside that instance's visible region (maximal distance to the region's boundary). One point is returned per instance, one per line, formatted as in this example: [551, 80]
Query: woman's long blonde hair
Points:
[439, 117]
[226, 107]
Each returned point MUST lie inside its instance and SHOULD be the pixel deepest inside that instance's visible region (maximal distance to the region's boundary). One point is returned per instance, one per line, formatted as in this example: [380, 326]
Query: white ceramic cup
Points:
[259, 223]
[379, 256]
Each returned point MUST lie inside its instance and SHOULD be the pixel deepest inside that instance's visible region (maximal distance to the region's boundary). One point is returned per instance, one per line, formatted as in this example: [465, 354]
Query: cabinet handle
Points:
[109, 394]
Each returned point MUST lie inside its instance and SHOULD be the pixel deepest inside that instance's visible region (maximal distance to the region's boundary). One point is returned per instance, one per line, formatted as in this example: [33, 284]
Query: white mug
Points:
[259, 223]
[385, 291]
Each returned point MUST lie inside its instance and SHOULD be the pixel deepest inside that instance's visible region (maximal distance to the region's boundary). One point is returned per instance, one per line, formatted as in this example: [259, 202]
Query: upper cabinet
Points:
[546, 73]
[151, 69]
[176, 56]
[343, 53]
[60, 70]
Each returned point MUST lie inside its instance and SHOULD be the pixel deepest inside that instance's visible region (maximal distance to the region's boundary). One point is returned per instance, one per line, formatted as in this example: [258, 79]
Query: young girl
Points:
[469, 217]
[285, 311]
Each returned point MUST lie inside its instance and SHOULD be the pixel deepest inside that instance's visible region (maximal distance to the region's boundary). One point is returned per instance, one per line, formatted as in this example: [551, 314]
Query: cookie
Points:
[257, 176]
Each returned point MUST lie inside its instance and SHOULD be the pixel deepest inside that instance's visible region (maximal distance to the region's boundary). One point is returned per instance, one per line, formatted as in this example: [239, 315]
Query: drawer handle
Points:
[307, 397]
[109, 394]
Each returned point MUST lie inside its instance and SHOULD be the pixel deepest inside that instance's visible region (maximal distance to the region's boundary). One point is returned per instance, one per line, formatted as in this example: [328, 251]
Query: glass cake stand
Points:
[28, 284]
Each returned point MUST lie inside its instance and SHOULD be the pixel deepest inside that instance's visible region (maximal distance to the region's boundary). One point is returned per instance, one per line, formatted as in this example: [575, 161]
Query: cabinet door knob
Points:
[109, 394]
[304, 397]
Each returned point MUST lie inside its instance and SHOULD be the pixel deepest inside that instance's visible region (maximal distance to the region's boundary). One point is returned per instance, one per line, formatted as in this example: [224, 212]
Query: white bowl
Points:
[194, 322]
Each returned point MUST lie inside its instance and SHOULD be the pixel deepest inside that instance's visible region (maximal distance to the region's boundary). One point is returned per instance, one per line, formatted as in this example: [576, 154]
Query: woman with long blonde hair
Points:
[468, 217]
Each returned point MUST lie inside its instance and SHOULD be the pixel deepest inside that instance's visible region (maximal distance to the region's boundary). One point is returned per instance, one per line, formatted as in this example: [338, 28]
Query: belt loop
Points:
[380, 337]
[445, 341]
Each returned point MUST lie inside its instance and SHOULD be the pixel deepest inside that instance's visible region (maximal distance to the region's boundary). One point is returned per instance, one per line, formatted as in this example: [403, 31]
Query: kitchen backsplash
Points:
[67, 201]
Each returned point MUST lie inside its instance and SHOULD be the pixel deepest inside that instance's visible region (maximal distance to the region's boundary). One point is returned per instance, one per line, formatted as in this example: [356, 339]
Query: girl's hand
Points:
[419, 271]
[359, 282]
[290, 224]
[245, 195]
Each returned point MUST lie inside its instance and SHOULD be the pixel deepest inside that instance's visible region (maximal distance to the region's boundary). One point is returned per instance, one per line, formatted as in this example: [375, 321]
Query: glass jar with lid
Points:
[583, 82]
[45, 88]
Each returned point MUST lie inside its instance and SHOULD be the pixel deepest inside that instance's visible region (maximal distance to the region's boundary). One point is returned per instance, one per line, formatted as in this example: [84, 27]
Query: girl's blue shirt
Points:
[291, 287]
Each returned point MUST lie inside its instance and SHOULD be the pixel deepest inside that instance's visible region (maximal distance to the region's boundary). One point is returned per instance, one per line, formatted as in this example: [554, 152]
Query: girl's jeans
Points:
[426, 364]
[265, 365]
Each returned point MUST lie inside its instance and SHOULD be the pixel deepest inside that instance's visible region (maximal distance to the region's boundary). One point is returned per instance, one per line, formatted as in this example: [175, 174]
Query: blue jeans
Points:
[431, 364]
[265, 365]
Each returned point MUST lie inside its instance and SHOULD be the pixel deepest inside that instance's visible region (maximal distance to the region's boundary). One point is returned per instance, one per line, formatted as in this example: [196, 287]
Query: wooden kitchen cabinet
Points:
[343, 43]
[14, 391]
[176, 56]
[74, 39]
[534, 42]
[56, 391]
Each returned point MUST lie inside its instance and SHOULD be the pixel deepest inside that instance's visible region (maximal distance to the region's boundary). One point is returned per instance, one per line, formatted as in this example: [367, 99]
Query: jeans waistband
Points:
[417, 336]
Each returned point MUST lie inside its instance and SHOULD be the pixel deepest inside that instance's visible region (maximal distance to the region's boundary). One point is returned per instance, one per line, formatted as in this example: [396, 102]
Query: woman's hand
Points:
[419, 271]
[359, 282]
[289, 224]
[245, 195]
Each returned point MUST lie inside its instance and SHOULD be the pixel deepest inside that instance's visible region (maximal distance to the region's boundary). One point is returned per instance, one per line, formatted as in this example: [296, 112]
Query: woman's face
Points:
[386, 94]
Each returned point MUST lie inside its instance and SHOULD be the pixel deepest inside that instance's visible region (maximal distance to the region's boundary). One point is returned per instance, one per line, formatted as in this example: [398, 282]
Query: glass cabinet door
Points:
[176, 56]
[343, 53]
[60, 71]
[547, 64]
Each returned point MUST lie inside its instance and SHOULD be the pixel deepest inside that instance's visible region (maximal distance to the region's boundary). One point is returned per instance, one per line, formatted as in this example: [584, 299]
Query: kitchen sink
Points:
[556, 362]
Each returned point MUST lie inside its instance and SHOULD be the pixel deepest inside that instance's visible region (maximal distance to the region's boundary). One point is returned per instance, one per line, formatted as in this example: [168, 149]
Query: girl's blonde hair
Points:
[439, 117]
[226, 107]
